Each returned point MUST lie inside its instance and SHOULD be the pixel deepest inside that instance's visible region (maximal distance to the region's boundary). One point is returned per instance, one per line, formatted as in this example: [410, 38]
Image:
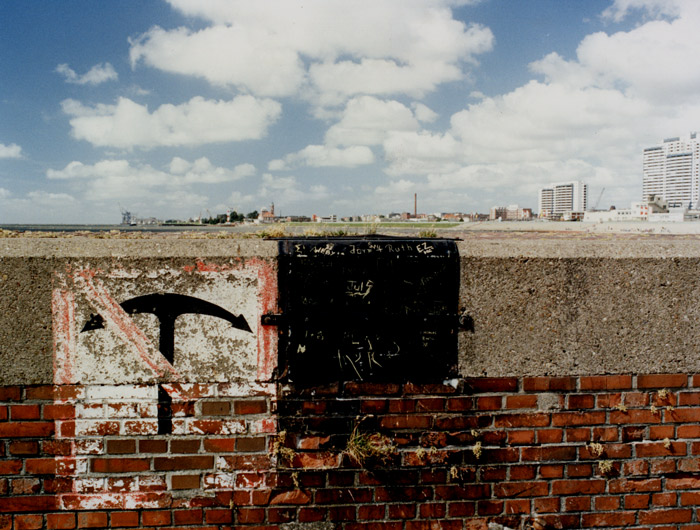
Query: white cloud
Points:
[367, 120]
[4, 193]
[327, 50]
[325, 156]
[199, 121]
[119, 179]
[287, 189]
[98, 74]
[588, 119]
[10, 151]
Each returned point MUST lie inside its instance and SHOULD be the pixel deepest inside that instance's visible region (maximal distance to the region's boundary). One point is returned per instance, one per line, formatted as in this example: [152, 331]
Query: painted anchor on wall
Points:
[167, 307]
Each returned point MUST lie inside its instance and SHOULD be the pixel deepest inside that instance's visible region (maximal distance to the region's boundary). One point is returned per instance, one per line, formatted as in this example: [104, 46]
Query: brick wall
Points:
[563, 452]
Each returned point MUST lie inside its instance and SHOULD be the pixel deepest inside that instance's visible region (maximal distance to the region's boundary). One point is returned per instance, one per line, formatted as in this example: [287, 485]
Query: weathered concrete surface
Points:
[565, 307]
[50, 288]
[539, 306]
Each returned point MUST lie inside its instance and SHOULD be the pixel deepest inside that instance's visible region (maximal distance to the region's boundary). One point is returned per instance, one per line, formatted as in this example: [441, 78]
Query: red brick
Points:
[58, 447]
[431, 404]
[401, 406]
[617, 519]
[688, 398]
[25, 412]
[521, 402]
[666, 516]
[540, 384]
[492, 384]
[634, 485]
[548, 453]
[373, 512]
[690, 498]
[258, 406]
[41, 466]
[59, 412]
[607, 504]
[546, 504]
[662, 381]
[216, 408]
[581, 401]
[5, 522]
[489, 402]
[521, 489]
[184, 446]
[664, 499]
[124, 519]
[183, 462]
[185, 482]
[406, 422]
[120, 465]
[606, 382]
[524, 437]
[192, 516]
[29, 522]
[92, 520]
[690, 415]
[155, 518]
[10, 467]
[489, 507]
[121, 447]
[577, 504]
[31, 429]
[522, 420]
[153, 446]
[224, 516]
[578, 418]
[578, 487]
[578, 435]
[650, 449]
[634, 416]
[552, 471]
[550, 436]
[373, 406]
[688, 431]
[25, 486]
[636, 502]
[60, 521]
[251, 445]
[433, 510]
[579, 470]
[659, 432]
[10, 393]
[219, 445]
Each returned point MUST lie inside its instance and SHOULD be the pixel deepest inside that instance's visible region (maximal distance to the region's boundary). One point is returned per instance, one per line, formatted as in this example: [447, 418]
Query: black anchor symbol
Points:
[167, 307]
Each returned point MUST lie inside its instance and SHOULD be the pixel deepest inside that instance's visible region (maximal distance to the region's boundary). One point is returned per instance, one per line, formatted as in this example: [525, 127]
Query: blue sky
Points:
[180, 107]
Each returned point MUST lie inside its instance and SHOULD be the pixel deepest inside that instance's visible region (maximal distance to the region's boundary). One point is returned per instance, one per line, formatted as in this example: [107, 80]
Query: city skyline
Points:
[172, 108]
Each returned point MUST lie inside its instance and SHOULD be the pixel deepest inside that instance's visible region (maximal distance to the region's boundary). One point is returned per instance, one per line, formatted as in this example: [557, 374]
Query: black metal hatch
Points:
[367, 309]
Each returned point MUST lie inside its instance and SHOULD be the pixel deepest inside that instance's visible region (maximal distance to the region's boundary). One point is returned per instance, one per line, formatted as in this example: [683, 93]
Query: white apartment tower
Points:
[563, 197]
[672, 171]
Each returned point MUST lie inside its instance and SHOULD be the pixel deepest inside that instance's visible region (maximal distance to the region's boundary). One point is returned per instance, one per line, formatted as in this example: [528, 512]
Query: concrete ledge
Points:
[539, 306]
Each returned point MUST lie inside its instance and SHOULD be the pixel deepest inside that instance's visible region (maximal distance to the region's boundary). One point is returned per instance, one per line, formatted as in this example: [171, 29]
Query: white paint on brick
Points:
[263, 426]
[219, 481]
[246, 389]
[88, 485]
[90, 410]
[121, 392]
[89, 447]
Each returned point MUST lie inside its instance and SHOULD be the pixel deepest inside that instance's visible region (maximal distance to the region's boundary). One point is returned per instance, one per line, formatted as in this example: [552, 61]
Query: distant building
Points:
[654, 209]
[562, 199]
[510, 213]
[672, 171]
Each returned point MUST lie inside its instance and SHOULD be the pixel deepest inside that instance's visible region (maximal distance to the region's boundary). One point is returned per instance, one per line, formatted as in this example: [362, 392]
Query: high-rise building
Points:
[563, 197]
[672, 171]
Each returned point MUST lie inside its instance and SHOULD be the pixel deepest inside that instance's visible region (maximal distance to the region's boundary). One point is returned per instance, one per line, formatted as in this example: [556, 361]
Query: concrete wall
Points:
[539, 307]
[576, 404]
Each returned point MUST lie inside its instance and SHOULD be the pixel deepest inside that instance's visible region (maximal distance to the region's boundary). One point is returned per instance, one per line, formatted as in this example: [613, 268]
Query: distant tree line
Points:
[235, 217]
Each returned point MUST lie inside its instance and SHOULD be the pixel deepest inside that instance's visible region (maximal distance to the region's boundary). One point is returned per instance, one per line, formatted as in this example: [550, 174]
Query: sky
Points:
[183, 108]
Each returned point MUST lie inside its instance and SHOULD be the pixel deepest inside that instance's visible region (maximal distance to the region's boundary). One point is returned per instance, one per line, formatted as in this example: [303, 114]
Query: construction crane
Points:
[595, 206]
